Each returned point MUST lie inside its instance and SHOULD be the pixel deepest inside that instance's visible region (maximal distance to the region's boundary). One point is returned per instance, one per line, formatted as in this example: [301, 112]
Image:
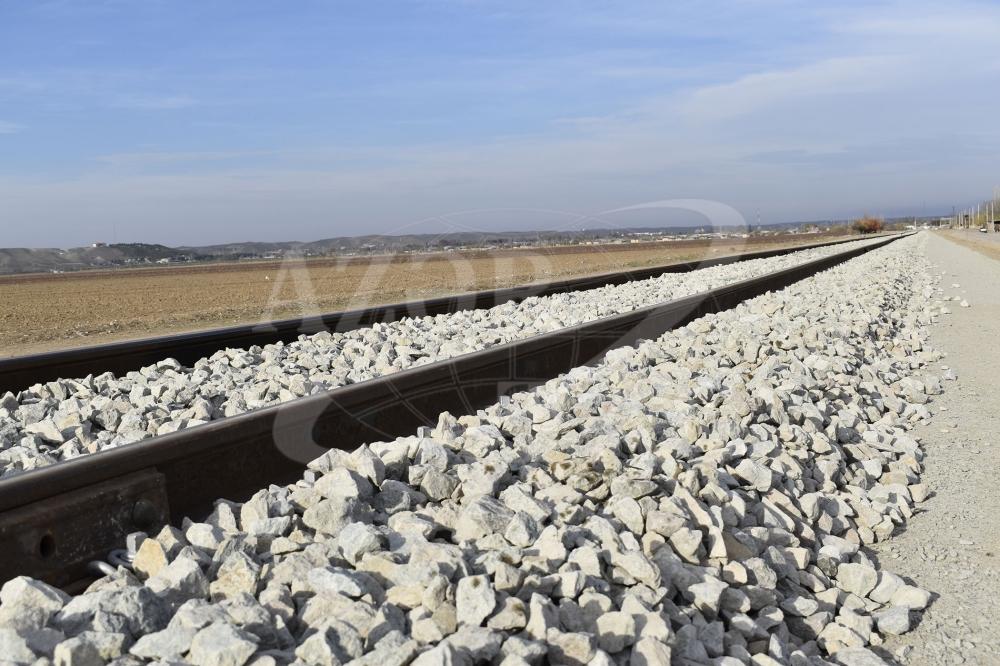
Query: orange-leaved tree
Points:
[868, 225]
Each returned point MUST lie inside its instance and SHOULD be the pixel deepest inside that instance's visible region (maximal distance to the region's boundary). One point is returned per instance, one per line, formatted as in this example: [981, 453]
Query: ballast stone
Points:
[220, 644]
[857, 578]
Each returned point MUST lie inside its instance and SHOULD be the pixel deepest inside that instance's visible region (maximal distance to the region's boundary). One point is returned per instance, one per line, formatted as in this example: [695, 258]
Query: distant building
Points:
[98, 245]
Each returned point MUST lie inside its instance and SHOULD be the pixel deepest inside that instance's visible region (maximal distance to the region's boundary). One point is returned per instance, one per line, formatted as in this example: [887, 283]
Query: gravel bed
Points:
[951, 548]
[704, 498]
[68, 418]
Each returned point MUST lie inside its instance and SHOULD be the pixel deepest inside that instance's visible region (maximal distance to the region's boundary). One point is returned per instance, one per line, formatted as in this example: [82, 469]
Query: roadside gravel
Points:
[704, 498]
[952, 547]
[68, 418]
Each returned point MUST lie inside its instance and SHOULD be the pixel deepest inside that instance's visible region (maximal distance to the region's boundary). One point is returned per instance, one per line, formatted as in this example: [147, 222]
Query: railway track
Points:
[56, 520]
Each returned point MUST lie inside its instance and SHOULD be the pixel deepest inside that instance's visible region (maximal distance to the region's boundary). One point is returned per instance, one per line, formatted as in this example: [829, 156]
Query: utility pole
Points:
[990, 224]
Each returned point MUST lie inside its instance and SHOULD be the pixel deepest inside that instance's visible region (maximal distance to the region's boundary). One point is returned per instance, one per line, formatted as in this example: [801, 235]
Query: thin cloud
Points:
[156, 158]
[948, 22]
[21, 84]
[154, 102]
[10, 128]
[834, 76]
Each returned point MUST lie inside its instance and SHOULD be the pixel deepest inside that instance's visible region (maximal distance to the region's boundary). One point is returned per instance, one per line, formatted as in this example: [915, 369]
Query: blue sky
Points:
[212, 121]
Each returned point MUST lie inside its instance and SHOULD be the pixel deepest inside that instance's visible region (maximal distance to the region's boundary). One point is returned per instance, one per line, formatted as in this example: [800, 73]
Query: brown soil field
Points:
[42, 312]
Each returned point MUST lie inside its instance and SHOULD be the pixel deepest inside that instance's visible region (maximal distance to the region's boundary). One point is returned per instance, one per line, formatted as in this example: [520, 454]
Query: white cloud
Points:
[953, 23]
[851, 75]
[10, 128]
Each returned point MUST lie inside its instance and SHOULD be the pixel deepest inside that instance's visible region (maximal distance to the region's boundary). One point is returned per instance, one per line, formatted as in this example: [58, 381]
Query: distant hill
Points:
[421, 242]
[38, 260]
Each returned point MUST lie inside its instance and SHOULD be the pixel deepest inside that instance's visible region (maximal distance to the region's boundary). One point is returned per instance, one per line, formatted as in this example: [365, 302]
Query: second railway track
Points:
[54, 521]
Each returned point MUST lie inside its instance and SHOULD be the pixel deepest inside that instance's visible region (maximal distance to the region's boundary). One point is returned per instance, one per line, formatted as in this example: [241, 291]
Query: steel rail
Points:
[54, 520]
[20, 372]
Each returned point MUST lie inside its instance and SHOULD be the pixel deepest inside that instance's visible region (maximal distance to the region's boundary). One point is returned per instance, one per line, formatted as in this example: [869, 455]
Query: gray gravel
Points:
[953, 546]
[706, 498]
[68, 418]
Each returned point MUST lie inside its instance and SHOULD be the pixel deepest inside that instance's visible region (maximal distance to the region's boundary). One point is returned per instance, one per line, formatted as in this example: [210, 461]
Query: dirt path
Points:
[953, 547]
[986, 244]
